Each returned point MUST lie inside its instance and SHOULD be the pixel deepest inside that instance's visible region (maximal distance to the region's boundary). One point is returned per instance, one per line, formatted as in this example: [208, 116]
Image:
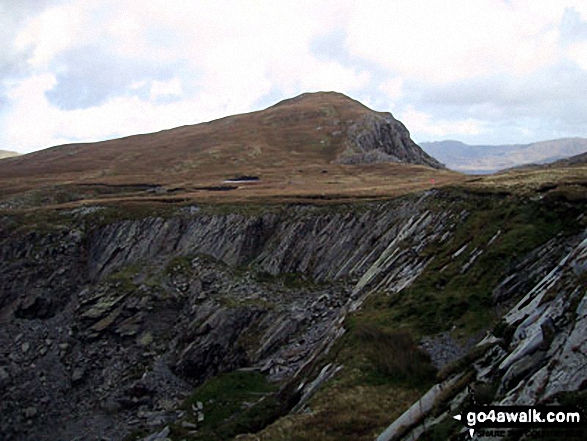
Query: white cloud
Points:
[54, 31]
[455, 39]
[31, 122]
[34, 123]
[422, 123]
[164, 88]
[578, 53]
[393, 88]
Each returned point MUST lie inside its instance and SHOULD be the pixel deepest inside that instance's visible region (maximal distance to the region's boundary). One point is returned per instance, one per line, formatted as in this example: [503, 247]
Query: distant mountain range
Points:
[491, 158]
[7, 154]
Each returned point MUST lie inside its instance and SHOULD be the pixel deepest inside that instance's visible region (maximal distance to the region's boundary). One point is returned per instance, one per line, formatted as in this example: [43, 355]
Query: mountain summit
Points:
[355, 133]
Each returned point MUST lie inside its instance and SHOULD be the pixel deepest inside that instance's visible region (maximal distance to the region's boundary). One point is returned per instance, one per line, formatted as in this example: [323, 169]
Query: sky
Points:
[479, 71]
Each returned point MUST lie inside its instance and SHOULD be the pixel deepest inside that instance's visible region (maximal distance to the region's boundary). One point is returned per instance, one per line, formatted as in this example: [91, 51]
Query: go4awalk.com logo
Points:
[477, 418]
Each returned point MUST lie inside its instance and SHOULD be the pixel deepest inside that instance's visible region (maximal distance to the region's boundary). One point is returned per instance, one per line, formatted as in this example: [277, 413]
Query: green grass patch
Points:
[124, 279]
[394, 357]
[129, 211]
[179, 266]
[455, 289]
[245, 209]
[42, 221]
[233, 403]
[377, 352]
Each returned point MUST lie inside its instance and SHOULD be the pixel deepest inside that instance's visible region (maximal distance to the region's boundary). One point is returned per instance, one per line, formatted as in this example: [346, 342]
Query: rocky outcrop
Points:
[234, 239]
[550, 324]
[214, 345]
[382, 138]
[538, 353]
[40, 271]
[324, 244]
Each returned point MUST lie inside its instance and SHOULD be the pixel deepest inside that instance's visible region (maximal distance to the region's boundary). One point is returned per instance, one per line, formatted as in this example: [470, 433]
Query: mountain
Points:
[491, 158]
[342, 299]
[7, 154]
[314, 137]
[564, 162]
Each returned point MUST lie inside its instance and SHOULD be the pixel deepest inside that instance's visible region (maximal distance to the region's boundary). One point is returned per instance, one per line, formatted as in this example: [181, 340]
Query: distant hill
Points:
[572, 160]
[491, 158]
[7, 154]
[576, 160]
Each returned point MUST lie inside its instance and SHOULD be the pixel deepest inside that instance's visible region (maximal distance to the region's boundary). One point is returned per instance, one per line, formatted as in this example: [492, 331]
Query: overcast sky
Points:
[480, 71]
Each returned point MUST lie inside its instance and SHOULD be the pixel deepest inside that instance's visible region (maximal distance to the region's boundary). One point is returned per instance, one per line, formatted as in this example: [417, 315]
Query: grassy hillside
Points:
[291, 147]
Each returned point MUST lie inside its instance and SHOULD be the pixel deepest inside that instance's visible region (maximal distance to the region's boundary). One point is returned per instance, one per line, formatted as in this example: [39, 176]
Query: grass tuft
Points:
[395, 356]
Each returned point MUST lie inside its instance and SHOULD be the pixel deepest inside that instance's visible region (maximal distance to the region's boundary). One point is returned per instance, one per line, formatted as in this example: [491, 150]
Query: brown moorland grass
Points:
[292, 147]
[343, 183]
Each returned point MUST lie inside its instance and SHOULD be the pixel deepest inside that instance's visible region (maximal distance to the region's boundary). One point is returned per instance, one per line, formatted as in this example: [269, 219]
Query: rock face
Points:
[109, 325]
[382, 138]
[548, 328]
[129, 316]
[539, 354]
[313, 241]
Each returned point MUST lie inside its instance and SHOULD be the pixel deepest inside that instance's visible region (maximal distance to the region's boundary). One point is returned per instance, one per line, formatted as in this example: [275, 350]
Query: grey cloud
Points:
[550, 100]
[13, 62]
[14, 12]
[89, 76]
[554, 92]
[553, 83]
